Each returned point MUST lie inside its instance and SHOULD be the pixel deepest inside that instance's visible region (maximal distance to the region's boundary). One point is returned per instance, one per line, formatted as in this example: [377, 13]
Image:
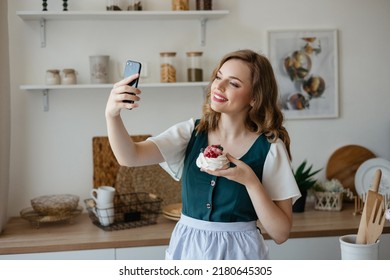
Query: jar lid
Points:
[54, 71]
[167, 53]
[194, 53]
[68, 70]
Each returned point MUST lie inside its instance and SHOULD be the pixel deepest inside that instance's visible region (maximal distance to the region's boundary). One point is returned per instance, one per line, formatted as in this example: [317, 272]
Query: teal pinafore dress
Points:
[218, 219]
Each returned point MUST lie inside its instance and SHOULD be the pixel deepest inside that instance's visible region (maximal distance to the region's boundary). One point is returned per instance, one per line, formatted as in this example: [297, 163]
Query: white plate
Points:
[365, 174]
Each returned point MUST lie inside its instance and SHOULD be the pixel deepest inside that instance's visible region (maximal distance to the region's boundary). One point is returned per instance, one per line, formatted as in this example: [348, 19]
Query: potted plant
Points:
[329, 195]
[304, 178]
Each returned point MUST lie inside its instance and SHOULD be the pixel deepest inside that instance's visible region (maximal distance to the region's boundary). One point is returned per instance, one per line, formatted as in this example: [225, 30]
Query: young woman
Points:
[220, 208]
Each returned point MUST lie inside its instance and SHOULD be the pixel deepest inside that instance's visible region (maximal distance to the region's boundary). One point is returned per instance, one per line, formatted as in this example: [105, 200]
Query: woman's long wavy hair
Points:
[265, 116]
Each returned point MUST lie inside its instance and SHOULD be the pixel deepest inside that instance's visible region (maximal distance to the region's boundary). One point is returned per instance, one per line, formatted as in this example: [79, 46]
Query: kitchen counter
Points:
[20, 237]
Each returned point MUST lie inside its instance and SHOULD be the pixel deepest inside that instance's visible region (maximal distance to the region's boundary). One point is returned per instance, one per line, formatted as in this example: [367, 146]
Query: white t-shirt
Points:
[278, 178]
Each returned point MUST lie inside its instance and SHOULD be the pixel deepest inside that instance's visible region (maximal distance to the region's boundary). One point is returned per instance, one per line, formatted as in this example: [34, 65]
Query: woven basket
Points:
[55, 205]
[150, 179]
[328, 201]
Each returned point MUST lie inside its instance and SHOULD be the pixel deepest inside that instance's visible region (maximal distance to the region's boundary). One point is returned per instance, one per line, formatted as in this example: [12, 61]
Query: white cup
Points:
[105, 214]
[103, 196]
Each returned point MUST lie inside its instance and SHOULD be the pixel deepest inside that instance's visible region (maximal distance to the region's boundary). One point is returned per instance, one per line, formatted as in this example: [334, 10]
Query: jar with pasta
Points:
[194, 67]
[180, 5]
[167, 67]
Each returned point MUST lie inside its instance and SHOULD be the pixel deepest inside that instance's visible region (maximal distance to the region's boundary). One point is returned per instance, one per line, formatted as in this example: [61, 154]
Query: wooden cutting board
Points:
[344, 163]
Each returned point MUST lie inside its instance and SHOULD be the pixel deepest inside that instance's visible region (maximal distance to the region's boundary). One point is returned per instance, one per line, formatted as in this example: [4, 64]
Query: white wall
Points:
[5, 124]
[51, 152]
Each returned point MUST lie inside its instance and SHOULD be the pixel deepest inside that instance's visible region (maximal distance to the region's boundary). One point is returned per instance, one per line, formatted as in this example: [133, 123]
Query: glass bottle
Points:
[167, 67]
[194, 67]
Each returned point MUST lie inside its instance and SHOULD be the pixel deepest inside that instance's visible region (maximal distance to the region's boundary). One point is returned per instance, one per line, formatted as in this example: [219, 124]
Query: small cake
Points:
[212, 158]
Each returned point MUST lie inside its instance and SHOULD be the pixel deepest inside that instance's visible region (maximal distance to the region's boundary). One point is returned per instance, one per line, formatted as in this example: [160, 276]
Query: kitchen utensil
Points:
[372, 196]
[344, 162]
[375, 223]
[366, 171]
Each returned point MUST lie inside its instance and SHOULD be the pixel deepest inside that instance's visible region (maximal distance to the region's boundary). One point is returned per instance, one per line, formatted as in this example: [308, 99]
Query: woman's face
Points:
[231, 90]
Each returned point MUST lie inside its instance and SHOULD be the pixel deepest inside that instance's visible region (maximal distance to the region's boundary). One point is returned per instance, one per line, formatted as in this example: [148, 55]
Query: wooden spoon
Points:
[372, 197]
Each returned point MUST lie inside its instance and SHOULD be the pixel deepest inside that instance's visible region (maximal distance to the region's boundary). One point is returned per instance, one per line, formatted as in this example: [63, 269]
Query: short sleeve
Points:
[172, 144]
[278, 177]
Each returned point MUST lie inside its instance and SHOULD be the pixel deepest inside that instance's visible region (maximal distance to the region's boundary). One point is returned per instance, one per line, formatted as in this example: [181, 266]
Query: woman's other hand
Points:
[240, 173]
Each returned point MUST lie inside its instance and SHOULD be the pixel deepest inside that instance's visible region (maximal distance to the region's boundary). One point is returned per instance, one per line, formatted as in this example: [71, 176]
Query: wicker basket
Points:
[329, 201]
[131, 210]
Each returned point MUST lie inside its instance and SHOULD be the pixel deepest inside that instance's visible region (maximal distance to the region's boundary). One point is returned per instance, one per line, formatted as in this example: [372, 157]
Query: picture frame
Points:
[305, 63]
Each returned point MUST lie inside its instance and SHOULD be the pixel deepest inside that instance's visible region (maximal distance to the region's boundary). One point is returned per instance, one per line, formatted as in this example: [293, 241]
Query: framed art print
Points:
[306, 68]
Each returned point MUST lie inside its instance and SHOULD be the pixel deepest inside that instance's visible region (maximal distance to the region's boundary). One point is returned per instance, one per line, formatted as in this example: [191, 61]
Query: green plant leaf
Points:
[303, 176]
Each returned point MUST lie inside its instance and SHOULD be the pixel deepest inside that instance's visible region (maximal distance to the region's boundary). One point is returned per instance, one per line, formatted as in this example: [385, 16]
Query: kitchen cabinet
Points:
[321, 248]
[98, 254]
[315, 235]
[141, 253]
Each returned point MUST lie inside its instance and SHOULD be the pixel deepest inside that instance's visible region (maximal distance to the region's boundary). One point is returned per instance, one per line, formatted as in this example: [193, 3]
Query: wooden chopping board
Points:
[344, 163]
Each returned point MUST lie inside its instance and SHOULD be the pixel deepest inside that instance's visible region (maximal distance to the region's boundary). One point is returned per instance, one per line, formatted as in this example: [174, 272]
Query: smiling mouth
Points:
[219, 98]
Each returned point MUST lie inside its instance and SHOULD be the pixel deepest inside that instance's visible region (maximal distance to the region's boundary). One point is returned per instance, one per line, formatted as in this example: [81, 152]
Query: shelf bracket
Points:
[42, 23]
[203, 31]
[45, 95]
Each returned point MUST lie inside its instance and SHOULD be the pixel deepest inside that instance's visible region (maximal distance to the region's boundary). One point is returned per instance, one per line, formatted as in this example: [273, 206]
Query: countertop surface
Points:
[19, 236]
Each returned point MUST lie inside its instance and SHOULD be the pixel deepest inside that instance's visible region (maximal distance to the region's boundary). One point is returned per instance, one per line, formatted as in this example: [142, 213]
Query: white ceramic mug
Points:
[103, 196]
[105, 214]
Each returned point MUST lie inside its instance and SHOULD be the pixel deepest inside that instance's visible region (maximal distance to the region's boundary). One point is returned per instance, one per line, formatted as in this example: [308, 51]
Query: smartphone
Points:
[132, 67]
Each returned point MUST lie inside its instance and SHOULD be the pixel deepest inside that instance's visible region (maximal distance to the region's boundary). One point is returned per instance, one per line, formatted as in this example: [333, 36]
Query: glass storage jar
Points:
[113, 5]
[194, 67]
[134, 5]
[180, 5]
[167, 67]
[204, 4]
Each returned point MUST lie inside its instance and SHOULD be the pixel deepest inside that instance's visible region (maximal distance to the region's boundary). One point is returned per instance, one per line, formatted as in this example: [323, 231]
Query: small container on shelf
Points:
[194, 67]
[134, 5]
[167, 67]
[113, 5]
[204, 4]
[180, 5]
[69, 77]
[53, 77]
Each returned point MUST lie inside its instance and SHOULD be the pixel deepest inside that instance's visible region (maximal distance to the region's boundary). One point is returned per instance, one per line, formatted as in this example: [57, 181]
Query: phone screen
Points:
[132, 67]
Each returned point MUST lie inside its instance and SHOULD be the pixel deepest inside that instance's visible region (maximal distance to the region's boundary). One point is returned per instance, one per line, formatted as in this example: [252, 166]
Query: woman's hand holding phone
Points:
[124, 93]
